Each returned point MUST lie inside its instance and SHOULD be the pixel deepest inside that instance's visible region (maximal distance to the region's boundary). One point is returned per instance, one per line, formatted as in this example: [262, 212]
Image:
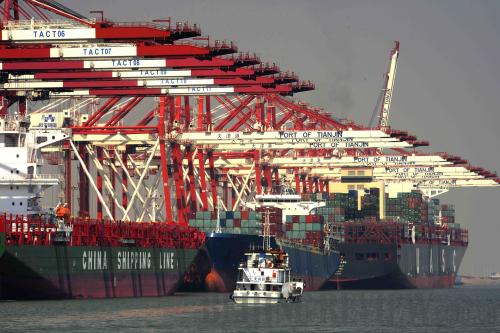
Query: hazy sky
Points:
[448, 85]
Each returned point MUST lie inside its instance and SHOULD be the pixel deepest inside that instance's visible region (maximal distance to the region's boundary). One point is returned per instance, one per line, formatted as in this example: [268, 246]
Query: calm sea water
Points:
[465, 309]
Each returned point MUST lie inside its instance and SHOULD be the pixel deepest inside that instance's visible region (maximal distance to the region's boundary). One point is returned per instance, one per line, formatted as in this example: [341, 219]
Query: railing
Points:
[397, 233]
[42, 232]
[38, 24]
[29, 176]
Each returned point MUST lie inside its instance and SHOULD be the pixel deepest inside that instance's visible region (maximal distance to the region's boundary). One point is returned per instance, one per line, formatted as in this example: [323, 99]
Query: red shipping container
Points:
[244, 215]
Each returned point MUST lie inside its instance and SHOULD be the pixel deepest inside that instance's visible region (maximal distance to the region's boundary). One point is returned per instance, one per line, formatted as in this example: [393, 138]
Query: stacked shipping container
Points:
[234, 222]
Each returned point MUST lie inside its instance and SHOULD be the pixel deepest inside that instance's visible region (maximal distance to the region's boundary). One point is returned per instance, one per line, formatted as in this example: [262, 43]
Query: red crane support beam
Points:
[163, 160]
[44, 52]
[94, 117]
[59, 11]
[130, 32]
[179, 183]
[213, 181]
[88, 74]
[232, 114]
[192, 189]
[225, 101]
[203, 182]
[187, 62]
[100, 157]
[147, 118]
[120, 114]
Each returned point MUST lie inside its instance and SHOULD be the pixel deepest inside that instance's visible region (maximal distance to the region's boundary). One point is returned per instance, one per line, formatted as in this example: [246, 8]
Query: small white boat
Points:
[265, 277]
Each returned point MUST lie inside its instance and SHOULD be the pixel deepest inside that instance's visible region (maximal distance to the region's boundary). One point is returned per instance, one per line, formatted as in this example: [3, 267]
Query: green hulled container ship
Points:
[93, 259]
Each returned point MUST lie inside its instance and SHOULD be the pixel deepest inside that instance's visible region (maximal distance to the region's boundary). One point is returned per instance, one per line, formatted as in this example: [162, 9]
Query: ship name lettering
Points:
[133, 260]
[94, 260]
[166, 260]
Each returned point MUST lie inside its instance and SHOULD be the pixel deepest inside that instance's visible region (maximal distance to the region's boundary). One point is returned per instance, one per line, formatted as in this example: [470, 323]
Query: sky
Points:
[448, 85]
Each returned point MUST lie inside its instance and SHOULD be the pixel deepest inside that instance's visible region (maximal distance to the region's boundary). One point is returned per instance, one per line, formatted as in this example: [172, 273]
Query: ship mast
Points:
[266, 234]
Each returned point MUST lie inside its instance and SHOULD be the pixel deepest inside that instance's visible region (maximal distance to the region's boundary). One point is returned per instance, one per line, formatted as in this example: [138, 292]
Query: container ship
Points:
[230, 233]
[48, 254]
[416, 243]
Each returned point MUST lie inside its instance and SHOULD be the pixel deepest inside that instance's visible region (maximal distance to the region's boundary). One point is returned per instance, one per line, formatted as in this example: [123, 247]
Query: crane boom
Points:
[389, 88]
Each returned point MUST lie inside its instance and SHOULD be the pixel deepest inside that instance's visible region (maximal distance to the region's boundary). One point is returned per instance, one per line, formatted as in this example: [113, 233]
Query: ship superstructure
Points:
[265, 277]
[21, 177]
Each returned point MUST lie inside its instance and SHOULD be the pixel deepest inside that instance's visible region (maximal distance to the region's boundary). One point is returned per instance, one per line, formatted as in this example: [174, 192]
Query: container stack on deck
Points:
[409, 207]
[234, 222]
[308, 228]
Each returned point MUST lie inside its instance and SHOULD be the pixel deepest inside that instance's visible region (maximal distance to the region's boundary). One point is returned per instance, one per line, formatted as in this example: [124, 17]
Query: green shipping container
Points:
[317, 227]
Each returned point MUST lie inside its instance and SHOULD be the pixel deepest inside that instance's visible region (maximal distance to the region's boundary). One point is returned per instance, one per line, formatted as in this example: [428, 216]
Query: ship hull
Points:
[314, 267]
[59, 271]
[224, 252]
[409, 266]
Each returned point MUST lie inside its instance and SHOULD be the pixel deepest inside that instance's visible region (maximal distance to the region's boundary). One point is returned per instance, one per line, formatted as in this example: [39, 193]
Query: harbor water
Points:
[463, 309]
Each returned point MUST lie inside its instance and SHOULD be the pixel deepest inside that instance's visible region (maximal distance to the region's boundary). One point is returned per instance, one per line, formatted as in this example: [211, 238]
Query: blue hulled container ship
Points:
[309, 250]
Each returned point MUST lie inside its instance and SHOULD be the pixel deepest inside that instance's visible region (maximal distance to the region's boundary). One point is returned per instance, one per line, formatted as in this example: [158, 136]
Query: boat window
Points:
[360, 256]
[11, 140]
[262, 273]
[41, 140]
[372, 256]
[387, 256]
[351, 173]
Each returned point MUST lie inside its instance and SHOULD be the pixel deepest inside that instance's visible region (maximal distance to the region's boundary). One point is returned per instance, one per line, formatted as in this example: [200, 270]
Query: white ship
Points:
[265, 277]
[21, 181]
